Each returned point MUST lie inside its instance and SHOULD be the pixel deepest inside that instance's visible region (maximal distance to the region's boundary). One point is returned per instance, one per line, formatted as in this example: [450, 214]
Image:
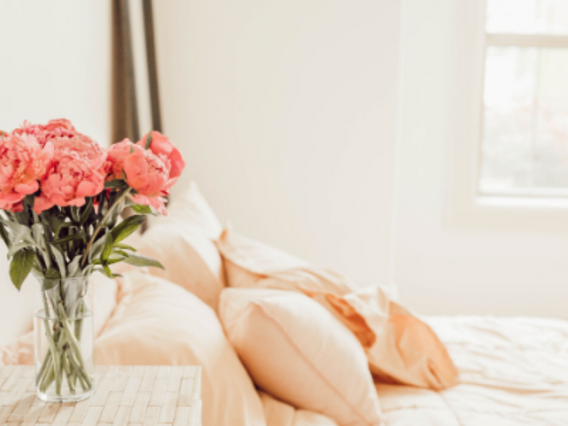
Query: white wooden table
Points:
[129, 396]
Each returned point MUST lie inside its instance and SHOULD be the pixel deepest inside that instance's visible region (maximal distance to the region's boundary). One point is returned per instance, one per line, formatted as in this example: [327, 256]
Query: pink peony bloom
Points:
[146, 173]
[23, 161]
[78, 171]
[170, 155]
[117, 153]
[61, 124]
[44, 133]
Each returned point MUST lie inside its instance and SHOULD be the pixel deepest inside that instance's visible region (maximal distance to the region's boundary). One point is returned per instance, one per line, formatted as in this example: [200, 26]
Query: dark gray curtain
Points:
[124, 100]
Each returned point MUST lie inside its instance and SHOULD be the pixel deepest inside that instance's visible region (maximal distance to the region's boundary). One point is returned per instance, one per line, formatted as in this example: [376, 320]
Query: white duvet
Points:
[513, 371]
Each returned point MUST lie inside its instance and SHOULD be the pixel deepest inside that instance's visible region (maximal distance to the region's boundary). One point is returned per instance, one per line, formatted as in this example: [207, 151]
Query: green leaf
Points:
[96, 248]
[106, 270]
[29, 201]
[77, 236]
[15, 248]
[139, 260]
[4, 234]
[52, 274]
[23, 217]
[121, 252]
[52, 278]
[54, 220]
[19, 232]
[116, 183]
[124, 246]
[107, 248]
[74, 266]
[37, 232]
[87, 211]
[59, 259]
[138, 208]
[74, 213]
[127, 227]
[21, 266]
[113, 258]
[148, 140]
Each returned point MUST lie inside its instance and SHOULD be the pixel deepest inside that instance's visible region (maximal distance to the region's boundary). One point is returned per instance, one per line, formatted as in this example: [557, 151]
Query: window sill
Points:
[507, 202]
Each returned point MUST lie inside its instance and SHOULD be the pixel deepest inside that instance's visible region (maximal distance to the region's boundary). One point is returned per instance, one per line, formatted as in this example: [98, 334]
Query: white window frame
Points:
[467, 207]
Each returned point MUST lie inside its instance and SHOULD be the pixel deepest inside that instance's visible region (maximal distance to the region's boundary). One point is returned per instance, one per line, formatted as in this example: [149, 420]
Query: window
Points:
[524, 122]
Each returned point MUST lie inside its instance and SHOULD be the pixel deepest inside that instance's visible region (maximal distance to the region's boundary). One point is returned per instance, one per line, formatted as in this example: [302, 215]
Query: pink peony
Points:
[117, 153]
[23, 161]
[78, 170]
[146, 173]
[170, 155]
[61, 124]
[44, 133]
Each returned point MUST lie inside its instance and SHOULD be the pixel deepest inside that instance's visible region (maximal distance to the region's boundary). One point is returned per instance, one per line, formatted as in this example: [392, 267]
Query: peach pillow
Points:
[400, 347]
[278, 413]
[297, 351]
[183, 243]
[104, 300]
[159, 323]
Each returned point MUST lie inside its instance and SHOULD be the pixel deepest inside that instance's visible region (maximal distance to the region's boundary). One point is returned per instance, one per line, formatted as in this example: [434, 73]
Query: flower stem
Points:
[64, 360]
[101, 224]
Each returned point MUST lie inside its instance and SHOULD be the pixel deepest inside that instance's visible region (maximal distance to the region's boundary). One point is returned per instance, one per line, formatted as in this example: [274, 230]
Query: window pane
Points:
[525, 131]
[550, 156]
[527, 16]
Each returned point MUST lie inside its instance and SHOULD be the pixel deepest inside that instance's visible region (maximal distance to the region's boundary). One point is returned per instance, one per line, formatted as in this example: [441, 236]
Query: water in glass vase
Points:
[63, 327]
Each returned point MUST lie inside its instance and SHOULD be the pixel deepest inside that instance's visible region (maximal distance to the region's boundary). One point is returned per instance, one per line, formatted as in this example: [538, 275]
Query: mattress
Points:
[513, 371]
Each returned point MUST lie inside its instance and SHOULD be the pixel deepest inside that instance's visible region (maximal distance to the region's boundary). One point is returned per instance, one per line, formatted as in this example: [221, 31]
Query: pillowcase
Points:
[159, 323]
[298, 352]
[183, 243]
[400, 347]
[278, 413]
[104, 300]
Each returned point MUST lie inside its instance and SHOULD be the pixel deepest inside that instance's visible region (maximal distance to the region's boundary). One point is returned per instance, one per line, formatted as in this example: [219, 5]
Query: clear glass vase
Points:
[63, 329]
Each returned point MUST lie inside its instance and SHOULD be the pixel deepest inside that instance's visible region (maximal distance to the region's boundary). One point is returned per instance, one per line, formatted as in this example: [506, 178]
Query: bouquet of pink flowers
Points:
[61, 195]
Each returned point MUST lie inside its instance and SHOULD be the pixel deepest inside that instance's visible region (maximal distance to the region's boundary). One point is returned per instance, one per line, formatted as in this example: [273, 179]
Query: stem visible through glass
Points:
[64, 359]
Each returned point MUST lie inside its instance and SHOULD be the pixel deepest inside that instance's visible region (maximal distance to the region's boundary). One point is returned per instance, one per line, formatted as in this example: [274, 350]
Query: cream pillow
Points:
[297, 351]
[159, 323]
[183, 243]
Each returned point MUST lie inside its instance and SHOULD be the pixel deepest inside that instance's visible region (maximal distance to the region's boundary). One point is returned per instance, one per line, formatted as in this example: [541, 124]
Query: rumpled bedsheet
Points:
[513, 372]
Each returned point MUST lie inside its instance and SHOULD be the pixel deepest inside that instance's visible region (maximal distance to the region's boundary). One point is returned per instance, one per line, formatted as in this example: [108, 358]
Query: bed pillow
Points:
[104, 300]
[298, 352]
[159, 323]
[278, 413]
[400, 347]
[183, 243]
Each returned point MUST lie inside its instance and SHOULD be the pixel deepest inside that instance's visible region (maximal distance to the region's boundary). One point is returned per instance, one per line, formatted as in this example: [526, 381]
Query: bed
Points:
[513, 371]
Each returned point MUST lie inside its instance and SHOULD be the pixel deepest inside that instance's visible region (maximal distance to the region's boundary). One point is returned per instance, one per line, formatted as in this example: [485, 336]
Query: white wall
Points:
[286, 114]
[440, 269]
[55, 63]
